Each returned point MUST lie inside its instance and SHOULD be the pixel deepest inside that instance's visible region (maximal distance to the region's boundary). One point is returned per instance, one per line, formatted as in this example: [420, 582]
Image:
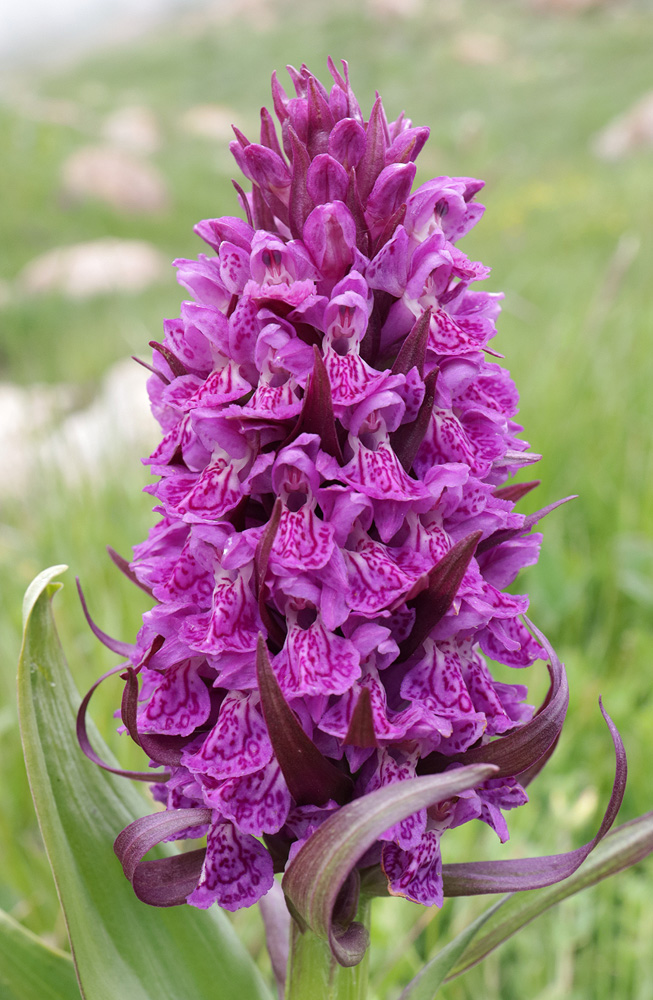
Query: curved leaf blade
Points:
[428, 980]
[30, 969]
[480, 877]
[319, 871]
[623, 847]
[121, 947]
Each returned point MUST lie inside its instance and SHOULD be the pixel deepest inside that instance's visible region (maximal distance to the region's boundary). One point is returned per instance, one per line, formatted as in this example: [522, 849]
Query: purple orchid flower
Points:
[335, 533]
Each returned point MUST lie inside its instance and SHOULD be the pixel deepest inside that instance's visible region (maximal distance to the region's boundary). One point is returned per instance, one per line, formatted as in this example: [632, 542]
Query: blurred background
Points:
[114, 128]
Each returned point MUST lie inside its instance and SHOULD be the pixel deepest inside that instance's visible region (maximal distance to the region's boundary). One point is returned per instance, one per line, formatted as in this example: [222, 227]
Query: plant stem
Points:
[314, 974]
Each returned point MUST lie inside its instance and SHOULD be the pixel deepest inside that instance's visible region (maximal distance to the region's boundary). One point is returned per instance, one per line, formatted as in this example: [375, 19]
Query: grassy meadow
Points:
[570, 240]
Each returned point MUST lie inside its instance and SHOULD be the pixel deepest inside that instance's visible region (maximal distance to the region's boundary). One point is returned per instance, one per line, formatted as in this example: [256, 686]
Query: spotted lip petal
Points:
[522, 749]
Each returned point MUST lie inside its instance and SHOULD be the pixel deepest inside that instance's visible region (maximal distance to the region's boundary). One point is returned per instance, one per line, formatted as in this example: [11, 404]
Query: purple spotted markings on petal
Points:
[237, 869]
[336, 533]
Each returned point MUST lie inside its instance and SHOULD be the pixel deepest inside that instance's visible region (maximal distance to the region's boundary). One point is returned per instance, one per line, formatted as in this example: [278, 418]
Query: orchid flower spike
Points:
[335, 537]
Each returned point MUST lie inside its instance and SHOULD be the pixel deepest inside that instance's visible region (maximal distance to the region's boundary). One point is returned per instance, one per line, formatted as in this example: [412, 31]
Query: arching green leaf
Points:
[30, 969]
[121, 947]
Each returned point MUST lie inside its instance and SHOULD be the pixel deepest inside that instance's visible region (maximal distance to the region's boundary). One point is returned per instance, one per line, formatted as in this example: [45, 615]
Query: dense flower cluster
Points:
[333, 432]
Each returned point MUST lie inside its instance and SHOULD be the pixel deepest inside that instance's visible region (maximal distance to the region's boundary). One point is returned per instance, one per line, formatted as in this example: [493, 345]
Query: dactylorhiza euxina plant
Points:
[335, 540]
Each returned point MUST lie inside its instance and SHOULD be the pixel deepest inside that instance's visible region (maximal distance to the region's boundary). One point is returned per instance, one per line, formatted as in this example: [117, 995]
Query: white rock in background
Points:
[134, 128]
[572, 6]
[98, 267]
[123, 180]
[479, 49]
[41, 438]
[209, 121]
[118, 423]
[51, 110]
[627, 133]
[394, 8]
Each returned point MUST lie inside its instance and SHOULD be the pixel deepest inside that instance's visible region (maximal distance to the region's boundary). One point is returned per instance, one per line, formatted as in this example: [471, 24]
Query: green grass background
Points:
[569, 239]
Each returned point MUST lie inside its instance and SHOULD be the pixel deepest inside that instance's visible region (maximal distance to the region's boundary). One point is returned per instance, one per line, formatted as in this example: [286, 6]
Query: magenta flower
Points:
[336, 539]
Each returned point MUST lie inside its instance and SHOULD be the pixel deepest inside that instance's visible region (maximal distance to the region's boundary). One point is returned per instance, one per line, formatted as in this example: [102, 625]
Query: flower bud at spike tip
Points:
[336, 531]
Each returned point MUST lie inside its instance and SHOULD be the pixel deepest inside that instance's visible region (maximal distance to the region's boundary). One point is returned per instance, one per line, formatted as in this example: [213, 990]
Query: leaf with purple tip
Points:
[320, 869]
[479, 877]
[623, 847]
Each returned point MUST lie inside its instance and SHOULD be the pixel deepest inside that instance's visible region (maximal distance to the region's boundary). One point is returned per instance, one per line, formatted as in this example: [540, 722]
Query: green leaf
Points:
[30, 969]
[426, 983]
[121, 947]
[622, 848]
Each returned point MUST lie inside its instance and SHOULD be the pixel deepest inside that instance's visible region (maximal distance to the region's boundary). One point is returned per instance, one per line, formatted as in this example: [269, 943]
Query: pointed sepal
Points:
[317, 415]
[406, 440]
[432, 604]
[311, 778]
